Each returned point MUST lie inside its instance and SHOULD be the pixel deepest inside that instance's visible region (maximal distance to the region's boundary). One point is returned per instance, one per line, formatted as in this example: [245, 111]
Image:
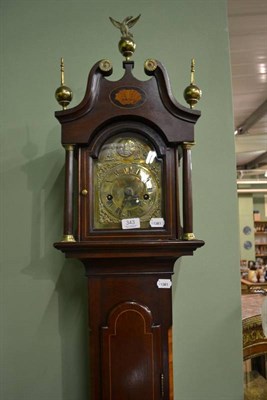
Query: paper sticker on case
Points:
[157, 222]
[164, 283]
[130, 223]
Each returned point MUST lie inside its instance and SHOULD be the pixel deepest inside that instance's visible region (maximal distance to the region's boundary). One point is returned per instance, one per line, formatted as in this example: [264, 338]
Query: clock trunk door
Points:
[131, 357]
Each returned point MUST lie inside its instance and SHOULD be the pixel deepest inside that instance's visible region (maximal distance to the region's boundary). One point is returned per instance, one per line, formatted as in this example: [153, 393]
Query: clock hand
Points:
[129, 196]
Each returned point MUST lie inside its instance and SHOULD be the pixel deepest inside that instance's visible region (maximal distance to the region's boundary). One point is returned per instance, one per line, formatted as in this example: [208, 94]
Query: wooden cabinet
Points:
[260, 232]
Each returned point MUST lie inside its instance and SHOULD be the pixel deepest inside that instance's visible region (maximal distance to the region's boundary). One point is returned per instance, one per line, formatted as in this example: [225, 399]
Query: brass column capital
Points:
[188, 145]
[69, 147]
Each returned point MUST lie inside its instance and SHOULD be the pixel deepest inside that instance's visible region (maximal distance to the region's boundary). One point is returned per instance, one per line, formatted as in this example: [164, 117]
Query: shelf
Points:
[260, 227]
[260, 236]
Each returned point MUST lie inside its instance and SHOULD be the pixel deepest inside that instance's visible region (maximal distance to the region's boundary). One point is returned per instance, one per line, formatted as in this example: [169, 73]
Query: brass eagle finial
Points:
[125, 25]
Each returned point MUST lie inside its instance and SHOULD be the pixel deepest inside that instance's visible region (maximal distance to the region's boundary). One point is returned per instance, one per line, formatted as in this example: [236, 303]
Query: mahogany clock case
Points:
[128, 270]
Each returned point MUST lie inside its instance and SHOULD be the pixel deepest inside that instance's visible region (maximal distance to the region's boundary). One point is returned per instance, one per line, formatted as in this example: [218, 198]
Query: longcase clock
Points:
[125, 144]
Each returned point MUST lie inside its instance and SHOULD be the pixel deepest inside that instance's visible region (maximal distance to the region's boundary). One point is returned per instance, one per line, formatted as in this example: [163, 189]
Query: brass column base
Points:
[188, 236]
[68, 238]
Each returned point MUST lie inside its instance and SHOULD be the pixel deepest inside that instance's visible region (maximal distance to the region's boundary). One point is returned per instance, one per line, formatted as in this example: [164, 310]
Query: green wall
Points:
[43, 296]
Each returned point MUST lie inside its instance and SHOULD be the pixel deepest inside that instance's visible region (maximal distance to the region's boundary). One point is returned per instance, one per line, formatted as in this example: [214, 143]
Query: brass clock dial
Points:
[127, 183]
[129, 191]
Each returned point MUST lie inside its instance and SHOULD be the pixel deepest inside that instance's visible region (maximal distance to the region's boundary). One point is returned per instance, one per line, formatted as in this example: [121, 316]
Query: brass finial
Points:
[126, 45]
[192, 93]
[63, 93]
[150, 65]
[192, 76]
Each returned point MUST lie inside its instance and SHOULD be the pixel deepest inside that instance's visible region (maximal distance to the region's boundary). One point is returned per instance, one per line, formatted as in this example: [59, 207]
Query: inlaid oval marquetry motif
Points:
[128, 97]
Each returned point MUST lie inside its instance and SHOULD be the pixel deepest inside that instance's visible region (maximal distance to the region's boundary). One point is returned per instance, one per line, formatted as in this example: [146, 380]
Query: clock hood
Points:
[150, 102]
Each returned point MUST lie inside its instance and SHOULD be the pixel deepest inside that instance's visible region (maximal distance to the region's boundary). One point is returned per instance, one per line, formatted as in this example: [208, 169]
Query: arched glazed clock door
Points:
[129, 169]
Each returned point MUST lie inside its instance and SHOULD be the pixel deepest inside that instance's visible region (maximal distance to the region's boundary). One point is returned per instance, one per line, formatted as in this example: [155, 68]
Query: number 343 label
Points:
[130, 223]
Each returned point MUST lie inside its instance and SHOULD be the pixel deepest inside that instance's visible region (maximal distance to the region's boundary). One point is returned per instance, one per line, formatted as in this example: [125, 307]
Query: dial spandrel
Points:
[128, 182]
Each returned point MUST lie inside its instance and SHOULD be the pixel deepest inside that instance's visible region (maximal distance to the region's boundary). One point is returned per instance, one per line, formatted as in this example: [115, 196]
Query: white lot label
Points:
[164, 283]
[130, 223]
[157, 222]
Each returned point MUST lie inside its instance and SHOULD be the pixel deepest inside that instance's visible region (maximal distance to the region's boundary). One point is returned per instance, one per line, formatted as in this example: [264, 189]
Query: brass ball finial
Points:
[63, 93]
[127, 45]
[192, 93]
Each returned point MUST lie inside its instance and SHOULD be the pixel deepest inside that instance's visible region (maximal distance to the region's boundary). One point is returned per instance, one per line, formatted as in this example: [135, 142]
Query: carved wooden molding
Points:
[254, 341]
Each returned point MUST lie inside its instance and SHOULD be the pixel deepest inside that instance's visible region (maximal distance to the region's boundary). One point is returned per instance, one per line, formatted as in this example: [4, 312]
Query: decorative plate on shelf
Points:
[247, 230]
[247, 245]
